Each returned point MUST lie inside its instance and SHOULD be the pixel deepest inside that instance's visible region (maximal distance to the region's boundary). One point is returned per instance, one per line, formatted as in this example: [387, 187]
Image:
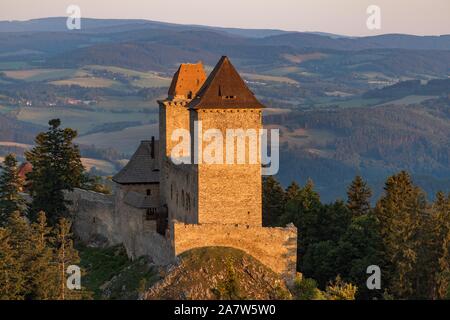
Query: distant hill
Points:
[388, 41]
[402, 89]
[332, 146]
[17, 131]
[346, 105]
[92, 25]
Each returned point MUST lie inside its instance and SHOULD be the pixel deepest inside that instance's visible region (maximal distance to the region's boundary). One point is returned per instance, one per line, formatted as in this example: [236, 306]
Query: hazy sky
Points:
[335, 16]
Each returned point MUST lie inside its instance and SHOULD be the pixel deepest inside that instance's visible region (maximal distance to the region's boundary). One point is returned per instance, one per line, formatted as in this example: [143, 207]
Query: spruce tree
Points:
[57, 168]
[304, 212]
[399, 213]
[20, 243]
[66, 255]
[273, 201]
[358, 197]
[441, 210]
[43, 269]
[292, 191]
[10, 187]
[12, 276]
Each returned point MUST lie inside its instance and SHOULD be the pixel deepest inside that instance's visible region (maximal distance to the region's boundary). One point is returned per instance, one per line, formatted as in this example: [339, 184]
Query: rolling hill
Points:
[345, 105]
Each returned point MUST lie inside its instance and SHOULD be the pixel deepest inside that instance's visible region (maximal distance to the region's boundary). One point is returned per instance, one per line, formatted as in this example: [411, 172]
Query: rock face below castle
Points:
[162, 208]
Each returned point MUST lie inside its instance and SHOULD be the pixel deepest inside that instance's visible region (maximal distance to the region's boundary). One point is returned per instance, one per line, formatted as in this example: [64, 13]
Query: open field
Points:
[102, 165]
[299, 58]
[263, 77]
[15, 145]
[127, 103]
[12, 65]
[87, 82]
[148, 79]
[79, 119]
[408, 100]
[41, 74]
[125, 141]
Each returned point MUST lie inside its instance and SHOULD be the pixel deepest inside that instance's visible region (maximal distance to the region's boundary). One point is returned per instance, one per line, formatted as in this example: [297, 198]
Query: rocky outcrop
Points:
[218, 273]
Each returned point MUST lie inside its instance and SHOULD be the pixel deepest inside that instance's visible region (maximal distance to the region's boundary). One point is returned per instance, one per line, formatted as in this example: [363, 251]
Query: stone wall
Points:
[98, 221]
[138, 235]
[230, 193]
[274, 247]
[181, 184]
[93, 217]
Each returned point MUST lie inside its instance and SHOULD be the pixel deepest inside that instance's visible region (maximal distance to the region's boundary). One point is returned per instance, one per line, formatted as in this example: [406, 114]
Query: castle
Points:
[162, 208]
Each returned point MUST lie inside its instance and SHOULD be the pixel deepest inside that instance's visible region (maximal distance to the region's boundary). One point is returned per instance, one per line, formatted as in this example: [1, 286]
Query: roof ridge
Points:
[225, 88]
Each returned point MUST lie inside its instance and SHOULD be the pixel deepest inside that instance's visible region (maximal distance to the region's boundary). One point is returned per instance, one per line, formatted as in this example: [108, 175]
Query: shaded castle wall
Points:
[274, 247]
[181, 184]
[105, 220]
[178, 182]
[230, 193]
[93, 217]
[139, 236]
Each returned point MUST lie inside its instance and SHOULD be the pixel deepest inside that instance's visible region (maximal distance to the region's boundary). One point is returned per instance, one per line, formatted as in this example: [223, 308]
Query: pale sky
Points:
[347, 17]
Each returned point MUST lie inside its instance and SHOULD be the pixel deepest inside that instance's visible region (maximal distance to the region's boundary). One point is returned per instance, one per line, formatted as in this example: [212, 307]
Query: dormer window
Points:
[228, 97]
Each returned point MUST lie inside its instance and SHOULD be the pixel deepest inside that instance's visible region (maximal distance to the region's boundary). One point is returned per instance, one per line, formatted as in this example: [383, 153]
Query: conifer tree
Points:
[399, 213]
[292, 191]
[43, 269]
[304, 212]
[20, 243]
[358, 197]
[57, 167]
[441, 212]
[10, 186]
[66, 256]
[12, 277]
[273, 201]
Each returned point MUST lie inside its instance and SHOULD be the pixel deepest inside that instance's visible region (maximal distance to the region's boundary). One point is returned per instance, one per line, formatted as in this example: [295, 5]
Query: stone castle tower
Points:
[165, 207]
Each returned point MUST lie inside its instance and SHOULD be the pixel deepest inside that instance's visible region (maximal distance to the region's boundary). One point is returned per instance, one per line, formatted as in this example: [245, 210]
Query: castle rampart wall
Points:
[274, 247]
[93, 217]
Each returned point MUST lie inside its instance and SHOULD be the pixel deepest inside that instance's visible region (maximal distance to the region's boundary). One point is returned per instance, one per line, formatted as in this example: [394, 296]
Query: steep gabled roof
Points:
[187, 80]
[225, 88]
[143, 166]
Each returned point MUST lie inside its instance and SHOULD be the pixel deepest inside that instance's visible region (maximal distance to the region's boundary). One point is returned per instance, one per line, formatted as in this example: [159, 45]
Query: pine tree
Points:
[292, 190]
[10, 186]
[57, 167]
[304, 212]
[43, 267]
[273, 201]
[66, 256]
[399, 213]
[441, 212]
[12, 277]
[20, 243]
[358, 197]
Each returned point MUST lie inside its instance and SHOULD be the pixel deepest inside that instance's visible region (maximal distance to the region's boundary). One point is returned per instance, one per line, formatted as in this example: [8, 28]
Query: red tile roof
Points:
[187, 80]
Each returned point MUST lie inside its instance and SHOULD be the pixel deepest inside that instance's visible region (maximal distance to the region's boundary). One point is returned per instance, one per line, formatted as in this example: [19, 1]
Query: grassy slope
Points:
[109, 274]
